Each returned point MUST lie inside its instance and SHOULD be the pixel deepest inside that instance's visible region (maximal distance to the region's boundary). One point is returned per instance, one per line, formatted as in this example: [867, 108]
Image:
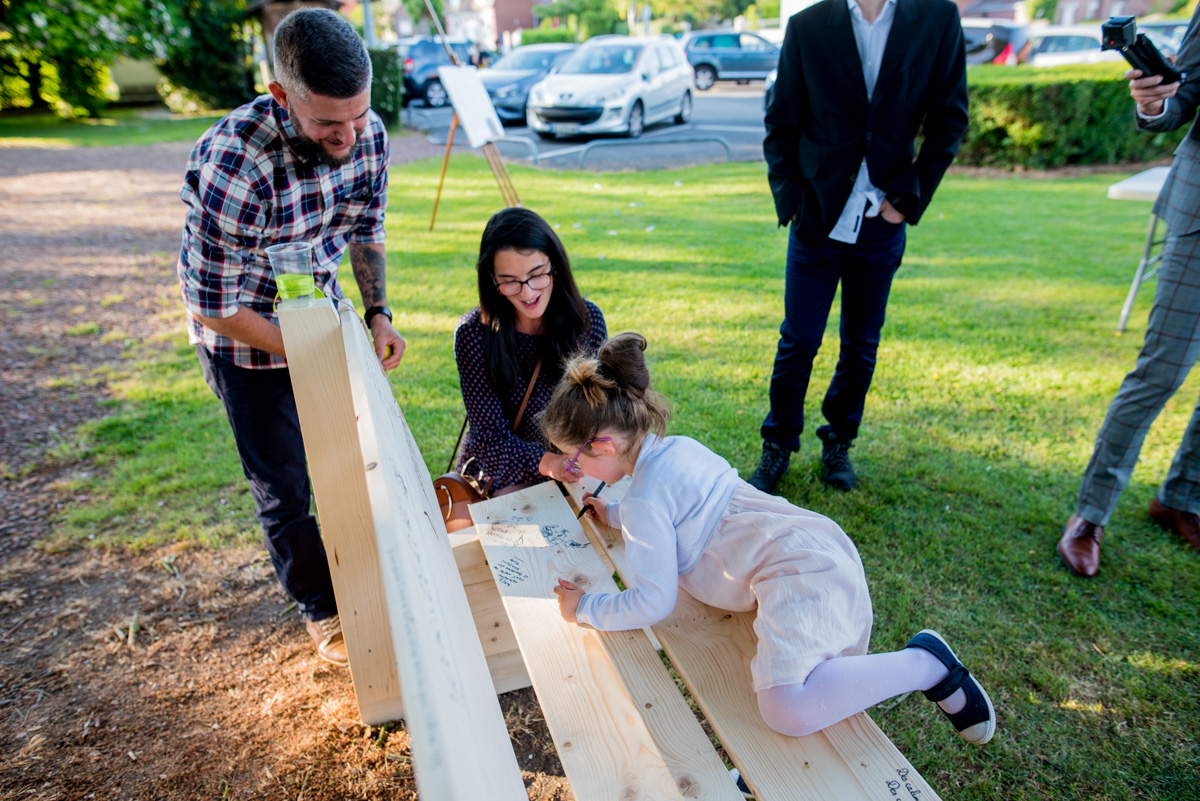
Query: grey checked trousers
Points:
[1171, 348]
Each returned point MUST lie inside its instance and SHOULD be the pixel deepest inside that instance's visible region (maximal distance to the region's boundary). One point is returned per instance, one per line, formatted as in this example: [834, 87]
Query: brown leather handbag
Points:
[456, 490]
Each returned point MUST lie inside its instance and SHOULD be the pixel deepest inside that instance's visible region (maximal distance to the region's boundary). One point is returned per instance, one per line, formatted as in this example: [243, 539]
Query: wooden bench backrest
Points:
[393, 569]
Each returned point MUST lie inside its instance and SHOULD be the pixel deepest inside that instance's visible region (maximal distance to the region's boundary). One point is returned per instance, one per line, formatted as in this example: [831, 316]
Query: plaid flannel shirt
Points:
[246, 189]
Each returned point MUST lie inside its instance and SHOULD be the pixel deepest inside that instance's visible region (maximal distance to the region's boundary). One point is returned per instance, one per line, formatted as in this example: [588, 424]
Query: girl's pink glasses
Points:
[572, 464]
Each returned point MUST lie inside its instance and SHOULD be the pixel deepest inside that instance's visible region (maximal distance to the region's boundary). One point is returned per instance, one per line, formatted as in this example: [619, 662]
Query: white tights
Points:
[846, 685]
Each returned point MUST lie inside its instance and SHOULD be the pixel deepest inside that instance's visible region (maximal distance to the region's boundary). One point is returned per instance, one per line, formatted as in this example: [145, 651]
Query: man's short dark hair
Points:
[316, 51]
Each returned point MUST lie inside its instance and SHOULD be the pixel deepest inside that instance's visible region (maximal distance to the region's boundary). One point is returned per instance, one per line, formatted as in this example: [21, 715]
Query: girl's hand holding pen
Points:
[568, 600]
[595, 508]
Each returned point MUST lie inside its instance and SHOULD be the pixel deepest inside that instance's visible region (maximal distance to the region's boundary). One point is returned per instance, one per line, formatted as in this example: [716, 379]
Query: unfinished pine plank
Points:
[711, 649]
[321, 384]
[508, 671]
[620, 725]
[461, 748]
[491, 621]
[468, 553]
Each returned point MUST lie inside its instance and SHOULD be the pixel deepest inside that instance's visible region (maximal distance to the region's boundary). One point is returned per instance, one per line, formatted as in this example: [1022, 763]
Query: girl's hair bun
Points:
[585, 374]
[606, 392]
[623, 358]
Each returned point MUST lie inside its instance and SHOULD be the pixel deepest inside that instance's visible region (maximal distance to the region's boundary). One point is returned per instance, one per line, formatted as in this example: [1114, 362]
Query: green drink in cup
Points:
[292, 265]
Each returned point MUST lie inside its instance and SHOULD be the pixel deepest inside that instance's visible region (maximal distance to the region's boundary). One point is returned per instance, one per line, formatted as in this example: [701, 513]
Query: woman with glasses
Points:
[530, 316]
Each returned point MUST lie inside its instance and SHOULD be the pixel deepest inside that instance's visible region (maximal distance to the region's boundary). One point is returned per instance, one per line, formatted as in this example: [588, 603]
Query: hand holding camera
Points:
[1153, 79]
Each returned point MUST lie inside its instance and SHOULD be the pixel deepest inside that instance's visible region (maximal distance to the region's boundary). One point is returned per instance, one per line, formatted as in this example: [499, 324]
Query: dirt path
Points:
[176, 673]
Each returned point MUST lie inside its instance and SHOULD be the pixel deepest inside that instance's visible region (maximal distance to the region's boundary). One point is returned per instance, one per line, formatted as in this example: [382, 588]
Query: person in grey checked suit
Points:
[1172, 339]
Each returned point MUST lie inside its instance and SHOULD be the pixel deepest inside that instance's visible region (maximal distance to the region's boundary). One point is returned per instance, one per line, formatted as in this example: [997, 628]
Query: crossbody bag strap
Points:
[537, 368]
[457, 442]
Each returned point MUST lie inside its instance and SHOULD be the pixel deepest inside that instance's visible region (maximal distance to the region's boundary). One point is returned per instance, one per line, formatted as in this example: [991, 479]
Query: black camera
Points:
[1120, 33]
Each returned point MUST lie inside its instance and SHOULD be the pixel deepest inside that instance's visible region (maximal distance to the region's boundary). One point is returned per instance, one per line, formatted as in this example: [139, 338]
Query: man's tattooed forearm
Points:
[369, 270]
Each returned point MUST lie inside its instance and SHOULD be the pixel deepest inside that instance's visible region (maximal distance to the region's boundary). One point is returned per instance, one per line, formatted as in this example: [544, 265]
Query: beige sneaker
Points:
[327, 636]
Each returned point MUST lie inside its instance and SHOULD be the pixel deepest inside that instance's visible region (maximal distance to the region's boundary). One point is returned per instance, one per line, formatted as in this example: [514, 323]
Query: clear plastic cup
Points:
[291, 264]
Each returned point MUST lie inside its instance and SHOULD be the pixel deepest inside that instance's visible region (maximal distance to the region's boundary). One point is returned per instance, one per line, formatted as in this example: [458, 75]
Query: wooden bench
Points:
[446, 622]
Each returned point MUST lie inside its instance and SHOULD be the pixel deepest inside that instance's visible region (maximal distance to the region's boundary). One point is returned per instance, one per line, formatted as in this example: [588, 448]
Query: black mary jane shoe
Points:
[975, 722]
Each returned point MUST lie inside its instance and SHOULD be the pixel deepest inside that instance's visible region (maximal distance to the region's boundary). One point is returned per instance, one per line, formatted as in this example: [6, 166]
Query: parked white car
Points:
[613, 84]
[1068, 44]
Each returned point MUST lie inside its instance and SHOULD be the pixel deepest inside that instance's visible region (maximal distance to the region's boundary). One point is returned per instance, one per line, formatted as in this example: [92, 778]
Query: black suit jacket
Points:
[820, 124]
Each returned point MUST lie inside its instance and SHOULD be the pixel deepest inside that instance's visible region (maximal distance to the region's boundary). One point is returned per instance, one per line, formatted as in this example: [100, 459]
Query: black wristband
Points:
[370, 313]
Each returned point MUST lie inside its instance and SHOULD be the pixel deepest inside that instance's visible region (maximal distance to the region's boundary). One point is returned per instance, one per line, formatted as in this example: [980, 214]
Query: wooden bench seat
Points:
[711, 650]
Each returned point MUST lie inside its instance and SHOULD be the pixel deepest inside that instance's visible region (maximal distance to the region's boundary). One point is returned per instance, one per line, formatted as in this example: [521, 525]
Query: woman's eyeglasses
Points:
[572, 464]
[535, 282]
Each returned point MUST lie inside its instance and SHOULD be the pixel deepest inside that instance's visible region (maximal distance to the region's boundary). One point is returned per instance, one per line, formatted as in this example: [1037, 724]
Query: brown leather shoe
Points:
[1185, 524]
[1080, 546]
[327, 636]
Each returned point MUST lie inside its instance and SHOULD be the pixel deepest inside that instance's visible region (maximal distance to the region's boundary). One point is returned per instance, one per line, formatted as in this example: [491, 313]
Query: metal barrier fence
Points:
[722, 141]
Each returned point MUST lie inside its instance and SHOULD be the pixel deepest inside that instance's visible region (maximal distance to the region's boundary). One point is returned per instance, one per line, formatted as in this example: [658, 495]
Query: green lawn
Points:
[116, 127]
[998, 362]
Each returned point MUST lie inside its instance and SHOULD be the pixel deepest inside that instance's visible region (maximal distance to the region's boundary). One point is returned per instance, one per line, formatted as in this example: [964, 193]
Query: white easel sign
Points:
[475, 112]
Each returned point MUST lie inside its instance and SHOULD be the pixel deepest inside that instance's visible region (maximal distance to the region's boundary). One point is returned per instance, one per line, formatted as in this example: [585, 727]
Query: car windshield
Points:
[606, 59]
[526, 60]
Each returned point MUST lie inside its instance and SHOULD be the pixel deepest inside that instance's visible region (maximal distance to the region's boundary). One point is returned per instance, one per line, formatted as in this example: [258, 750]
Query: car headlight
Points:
[537, 95]
[609, 97]
[507, 91]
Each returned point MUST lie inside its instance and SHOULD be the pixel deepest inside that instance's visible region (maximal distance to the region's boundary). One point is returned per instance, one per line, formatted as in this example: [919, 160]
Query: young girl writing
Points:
[689, 521]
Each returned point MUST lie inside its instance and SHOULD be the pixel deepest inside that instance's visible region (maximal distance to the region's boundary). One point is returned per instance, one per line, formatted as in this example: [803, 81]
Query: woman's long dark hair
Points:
[566, 315]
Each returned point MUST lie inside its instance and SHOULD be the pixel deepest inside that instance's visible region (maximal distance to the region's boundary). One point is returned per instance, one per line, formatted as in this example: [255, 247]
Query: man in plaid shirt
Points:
[307, 163]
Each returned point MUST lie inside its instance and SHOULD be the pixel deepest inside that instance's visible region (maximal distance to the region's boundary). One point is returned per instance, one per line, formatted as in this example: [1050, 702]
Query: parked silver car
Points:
[613, 84]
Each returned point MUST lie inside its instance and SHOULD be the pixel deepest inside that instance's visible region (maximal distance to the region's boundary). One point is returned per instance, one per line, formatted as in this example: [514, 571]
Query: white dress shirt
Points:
[871, 39]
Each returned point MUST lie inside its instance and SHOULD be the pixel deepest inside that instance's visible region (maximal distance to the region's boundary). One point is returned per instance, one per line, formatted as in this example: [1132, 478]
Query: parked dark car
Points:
[508, 80]
[729, 56]
[421, 58]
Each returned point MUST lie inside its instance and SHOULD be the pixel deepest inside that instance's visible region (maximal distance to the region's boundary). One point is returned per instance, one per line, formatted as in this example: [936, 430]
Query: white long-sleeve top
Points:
[871, 40]
[680, 490]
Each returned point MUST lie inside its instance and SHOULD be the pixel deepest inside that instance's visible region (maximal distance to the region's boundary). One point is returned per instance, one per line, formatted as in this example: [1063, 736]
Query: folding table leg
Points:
[1141, 274]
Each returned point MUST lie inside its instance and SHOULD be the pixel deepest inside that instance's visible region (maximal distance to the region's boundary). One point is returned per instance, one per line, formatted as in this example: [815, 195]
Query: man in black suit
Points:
[857, 80]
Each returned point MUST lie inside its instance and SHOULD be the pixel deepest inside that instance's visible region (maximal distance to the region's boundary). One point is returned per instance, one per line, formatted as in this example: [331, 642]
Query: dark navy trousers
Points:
[262, 413]
[814, 269]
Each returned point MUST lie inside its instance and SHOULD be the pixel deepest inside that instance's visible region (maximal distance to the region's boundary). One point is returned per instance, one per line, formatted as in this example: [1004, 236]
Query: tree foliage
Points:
[211, 59]
[700, 11]
[72, 42]
[593, 17]
[416, 9]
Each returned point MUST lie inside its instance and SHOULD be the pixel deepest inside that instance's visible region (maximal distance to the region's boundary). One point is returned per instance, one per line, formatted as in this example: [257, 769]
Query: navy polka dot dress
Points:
[506, 456]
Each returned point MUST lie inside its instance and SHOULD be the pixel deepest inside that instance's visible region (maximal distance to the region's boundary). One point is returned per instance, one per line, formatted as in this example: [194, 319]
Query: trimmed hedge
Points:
[1049, 117]
[547, 35]
[387, 85]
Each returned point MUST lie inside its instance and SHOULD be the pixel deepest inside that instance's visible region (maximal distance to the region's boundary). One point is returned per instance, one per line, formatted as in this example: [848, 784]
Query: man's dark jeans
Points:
[865, 270]
[262, 413]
